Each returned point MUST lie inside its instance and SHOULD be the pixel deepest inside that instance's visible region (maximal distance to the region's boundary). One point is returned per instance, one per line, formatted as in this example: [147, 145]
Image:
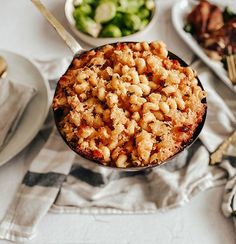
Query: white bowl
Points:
[99, 41]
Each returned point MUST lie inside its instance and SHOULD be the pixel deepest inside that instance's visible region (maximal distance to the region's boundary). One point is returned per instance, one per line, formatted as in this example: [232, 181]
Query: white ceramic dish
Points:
[179, 13]
[22, 70]
[69, 8]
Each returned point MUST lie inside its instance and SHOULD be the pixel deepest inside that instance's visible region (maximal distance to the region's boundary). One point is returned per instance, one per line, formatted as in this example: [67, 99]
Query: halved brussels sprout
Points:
[88, 25]
[82, 9]
[105, 12]
[143, 13]
[130, 6]
[111, 31]
[132, 22]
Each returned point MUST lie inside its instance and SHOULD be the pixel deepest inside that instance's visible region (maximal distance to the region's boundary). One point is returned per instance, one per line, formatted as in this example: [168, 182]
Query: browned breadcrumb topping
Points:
[128, 105]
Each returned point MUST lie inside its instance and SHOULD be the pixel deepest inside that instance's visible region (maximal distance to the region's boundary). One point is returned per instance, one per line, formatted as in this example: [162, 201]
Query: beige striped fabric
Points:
[38, 190]
[61, 182]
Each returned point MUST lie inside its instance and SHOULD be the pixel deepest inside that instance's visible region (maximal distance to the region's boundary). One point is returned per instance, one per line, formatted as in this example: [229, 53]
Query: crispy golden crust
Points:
[128, 105]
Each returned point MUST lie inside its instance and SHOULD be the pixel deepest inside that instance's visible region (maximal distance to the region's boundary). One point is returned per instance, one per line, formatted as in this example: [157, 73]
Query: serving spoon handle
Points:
[65, 35]
[3, 67]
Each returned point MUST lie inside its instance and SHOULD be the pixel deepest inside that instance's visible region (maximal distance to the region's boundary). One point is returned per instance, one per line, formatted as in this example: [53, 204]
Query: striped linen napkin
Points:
[62, 182]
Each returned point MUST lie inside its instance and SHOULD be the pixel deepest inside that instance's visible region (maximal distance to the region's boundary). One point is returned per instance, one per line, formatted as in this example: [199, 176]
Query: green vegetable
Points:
[126, 32]
[143, 13]
[112, 18]
[150, 4]
[83, 9]
[130, 6]
[105, 1]
[78, 2]
[228, 14]
[105, 12]
[118, 20]
[188, 28]
[132, 22]
[111, 31]
[88, 25]
[144, 23]
[90, 1]
[76, 13]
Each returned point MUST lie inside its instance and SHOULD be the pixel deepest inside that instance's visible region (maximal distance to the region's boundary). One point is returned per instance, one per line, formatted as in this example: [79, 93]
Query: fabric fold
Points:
[14, 98]
[38, 190]
[62, 182]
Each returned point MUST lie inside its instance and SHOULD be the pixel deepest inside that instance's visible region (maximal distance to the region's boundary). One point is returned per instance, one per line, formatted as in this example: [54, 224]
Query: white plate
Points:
[179, 12]
[22, 70]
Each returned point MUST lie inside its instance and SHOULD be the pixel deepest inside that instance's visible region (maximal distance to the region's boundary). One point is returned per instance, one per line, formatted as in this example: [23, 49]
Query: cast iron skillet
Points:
[78, 50]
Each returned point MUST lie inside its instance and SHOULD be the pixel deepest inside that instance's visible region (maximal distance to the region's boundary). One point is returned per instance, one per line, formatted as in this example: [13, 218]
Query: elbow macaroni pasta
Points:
[127, 105]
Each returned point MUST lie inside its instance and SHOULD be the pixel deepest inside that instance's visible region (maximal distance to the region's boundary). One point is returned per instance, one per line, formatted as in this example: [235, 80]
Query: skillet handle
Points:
[66, 36]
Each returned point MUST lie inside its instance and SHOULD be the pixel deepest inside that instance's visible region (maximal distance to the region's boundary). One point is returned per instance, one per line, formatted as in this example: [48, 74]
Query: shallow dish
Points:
[99, 41]
[20, 69]
[179, 12]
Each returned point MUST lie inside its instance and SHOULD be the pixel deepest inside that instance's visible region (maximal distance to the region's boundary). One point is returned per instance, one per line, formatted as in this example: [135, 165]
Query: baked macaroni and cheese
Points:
[128, 104]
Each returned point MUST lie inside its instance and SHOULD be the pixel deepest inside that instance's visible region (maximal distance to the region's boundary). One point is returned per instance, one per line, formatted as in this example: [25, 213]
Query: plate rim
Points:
[44, 114]
[196, 48]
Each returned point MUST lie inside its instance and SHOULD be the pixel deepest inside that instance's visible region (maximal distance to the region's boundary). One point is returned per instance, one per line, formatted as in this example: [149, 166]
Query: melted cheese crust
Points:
[128, 105]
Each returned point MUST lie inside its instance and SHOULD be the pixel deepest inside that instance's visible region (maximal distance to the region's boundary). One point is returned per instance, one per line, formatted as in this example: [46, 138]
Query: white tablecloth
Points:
[23, 30]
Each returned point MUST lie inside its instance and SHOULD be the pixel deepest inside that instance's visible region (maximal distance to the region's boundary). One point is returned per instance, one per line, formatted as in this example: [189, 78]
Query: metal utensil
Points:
[231, 64]
[66, 36]
[3, 67]
[78, 50]
[217, 155]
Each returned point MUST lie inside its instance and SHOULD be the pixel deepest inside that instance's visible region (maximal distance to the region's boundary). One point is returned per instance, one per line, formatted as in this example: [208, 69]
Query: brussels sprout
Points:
[143, 13]
[105, 1]
[150, 4]
[111, 31]
[77, 2]
[105, 12]
[83, 9]
[144, 23]
[132, 22]
[130, 6]
[118, 20]
[76, 13]
[88, 25]
[90, 1]
[126, 32]
[86, 9]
